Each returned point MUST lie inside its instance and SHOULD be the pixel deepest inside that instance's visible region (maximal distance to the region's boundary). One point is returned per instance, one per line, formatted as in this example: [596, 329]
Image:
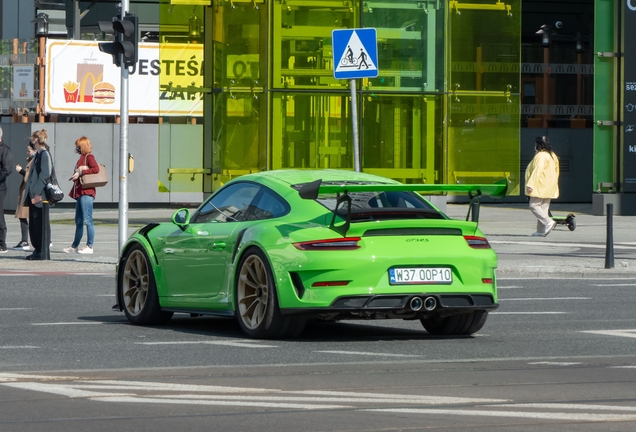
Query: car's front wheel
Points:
[137, 290]
[257, 301]
[455, 325]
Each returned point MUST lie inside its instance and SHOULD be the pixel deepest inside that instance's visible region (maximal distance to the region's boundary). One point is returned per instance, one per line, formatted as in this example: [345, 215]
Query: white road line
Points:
[224, 343]
[19, 274]
[566, 406]
[545, 298]
[555, 363]
[433, 400]
[9, 377]
[562, 245]
[14, 309]
[18, 347]
[518, 414]
[68, 323]
[622, 367]
[142, 385]
[621, 333]
[527, 313]
[367, 353]
[509, 287]
[172, 401]
[615, 285]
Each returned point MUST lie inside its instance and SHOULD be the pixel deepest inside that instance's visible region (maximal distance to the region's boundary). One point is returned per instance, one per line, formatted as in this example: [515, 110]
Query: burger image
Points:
[104, 93]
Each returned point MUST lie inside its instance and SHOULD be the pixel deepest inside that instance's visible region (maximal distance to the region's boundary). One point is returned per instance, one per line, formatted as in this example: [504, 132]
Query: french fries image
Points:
[70, 91]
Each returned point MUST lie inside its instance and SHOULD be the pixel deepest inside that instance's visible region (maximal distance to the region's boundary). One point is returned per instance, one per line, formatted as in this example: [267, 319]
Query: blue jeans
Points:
[84, 216]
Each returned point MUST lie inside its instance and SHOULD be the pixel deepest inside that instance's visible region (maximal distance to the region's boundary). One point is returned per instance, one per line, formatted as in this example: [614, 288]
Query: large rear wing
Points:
[475, 192]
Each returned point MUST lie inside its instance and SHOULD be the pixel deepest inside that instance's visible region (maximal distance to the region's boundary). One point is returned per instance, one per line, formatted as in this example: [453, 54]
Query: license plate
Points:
[428, 275]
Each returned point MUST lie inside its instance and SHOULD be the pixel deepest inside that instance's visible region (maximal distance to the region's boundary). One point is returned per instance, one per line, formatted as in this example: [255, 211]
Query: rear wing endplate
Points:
[474, 191]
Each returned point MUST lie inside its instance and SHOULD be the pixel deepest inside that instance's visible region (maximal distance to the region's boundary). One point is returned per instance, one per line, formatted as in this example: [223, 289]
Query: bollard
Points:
[609, 245]
[474, 211]
[46, 233]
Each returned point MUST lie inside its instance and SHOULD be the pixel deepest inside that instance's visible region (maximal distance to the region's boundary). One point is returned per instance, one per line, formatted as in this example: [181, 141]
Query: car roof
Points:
[293, 177]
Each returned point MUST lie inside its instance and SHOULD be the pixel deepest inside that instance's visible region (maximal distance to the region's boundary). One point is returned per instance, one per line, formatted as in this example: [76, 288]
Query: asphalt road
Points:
[560, 354]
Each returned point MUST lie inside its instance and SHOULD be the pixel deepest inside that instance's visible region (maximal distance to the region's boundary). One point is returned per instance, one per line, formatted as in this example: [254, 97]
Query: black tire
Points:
[455, 325]
[137, 291]
[256, 300]
[571, 221]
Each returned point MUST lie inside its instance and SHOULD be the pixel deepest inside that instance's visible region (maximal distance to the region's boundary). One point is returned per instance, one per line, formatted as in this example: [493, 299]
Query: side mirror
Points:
[181, 218]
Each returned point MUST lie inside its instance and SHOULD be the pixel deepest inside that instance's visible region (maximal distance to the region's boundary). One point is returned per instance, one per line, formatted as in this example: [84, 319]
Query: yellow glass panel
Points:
[311, 131]
[402, 137]
[483, 102]
[410, 51]
[302, 53]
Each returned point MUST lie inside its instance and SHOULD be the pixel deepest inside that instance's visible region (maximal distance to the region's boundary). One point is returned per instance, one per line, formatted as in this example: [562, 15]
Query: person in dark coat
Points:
[22, 211]
[39, 173]
[6, 168]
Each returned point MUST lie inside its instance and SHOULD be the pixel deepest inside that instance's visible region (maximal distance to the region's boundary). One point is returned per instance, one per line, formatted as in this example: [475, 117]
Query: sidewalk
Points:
[564, 253]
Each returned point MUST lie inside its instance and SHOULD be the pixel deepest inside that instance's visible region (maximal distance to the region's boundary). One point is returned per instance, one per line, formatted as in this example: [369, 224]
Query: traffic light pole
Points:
[123, 147]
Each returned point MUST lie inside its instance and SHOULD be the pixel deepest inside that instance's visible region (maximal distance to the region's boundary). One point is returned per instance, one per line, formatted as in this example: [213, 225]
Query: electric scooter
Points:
[569, 220]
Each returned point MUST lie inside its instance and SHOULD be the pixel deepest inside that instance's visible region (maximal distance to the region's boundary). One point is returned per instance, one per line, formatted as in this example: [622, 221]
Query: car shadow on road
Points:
[315, 331]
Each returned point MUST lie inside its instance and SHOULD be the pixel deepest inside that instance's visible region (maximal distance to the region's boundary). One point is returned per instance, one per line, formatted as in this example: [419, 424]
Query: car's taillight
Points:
[347, 243]
[477, 242]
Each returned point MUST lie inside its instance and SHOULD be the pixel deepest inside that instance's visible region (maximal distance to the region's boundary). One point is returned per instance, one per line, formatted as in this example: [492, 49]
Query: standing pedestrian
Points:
[22, 211]
[542, 184]
[6, 168]
[86, 164]
[39, 173]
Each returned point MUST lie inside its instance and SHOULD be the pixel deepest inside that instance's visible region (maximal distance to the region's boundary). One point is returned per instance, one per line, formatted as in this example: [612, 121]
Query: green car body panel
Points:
[195, 264]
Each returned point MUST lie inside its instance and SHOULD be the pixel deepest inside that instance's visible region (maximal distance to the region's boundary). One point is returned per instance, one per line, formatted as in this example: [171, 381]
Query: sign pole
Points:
[123, 147]
[354, 126]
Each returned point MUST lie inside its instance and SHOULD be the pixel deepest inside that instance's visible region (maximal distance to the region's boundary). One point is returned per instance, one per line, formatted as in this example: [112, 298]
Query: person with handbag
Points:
[22, 211]
[38, 175]
[84, 196]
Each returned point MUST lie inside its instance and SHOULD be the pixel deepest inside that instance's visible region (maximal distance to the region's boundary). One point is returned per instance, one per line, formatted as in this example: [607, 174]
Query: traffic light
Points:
[126, 39]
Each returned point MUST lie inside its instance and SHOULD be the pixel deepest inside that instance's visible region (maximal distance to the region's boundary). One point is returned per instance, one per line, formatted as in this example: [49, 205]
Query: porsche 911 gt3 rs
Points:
[277, 248]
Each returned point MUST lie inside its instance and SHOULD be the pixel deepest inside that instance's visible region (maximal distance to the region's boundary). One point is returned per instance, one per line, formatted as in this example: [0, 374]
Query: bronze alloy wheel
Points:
[135, 282]
[252, 292]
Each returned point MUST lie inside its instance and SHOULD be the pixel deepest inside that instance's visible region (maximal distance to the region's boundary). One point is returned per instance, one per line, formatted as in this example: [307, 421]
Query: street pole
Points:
[123, 147]
[354, 126]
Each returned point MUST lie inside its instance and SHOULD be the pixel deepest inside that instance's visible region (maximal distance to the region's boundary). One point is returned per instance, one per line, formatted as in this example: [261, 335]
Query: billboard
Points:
[166, 81]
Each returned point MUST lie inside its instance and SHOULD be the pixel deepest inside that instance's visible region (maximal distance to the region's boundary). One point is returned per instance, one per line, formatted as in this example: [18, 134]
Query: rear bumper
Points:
[401, 305]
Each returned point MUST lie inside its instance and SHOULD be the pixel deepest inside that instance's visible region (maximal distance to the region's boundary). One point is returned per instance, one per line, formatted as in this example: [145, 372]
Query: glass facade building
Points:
[445, 107]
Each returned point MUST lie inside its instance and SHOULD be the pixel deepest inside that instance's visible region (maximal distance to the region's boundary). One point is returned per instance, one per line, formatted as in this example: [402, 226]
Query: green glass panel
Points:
[410, 49]
[311, 130]
[402, 137]
[483, 101]
[302, 53]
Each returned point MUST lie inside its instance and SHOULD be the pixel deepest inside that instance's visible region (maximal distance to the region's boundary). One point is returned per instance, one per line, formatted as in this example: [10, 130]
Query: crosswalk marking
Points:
[169, 393]
[518, 414]
[621, 333]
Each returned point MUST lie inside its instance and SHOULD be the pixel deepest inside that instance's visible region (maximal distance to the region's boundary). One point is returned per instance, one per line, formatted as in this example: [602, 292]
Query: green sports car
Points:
[277, 248]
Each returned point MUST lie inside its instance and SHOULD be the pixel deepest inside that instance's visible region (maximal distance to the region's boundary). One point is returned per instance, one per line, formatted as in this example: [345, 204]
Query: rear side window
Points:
[267, 205]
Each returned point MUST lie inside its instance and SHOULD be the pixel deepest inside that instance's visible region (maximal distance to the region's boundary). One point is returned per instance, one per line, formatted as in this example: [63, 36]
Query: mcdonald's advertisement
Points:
[166, 81]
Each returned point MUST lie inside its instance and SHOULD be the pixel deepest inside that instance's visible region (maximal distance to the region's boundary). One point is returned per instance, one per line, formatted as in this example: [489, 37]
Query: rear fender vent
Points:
[298, 284]
[412, 231]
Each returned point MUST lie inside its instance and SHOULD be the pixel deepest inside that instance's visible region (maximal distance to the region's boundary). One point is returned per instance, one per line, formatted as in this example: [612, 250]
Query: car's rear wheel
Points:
[257, 301]
[455, 325]
[137, 290]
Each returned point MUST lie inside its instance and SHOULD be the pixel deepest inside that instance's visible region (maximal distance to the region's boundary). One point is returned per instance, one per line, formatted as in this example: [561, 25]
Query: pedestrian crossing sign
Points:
[355, 53]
